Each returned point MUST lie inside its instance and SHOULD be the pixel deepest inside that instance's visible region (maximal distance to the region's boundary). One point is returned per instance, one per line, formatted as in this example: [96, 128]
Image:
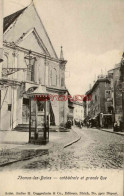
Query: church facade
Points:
[25, 39]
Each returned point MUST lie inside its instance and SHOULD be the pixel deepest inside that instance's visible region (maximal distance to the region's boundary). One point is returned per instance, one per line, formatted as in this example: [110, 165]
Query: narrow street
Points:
[95, 149]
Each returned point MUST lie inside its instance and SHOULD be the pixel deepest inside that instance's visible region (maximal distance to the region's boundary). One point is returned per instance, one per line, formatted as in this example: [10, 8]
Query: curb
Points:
[112, 132]
[28, 158]
[74, 141]
[23, 159]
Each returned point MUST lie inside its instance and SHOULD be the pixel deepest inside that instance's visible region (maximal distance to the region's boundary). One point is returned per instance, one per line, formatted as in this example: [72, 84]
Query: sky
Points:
[90, 31]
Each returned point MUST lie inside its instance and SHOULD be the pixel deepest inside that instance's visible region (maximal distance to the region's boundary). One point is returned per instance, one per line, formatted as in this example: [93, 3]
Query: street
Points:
[95, 149]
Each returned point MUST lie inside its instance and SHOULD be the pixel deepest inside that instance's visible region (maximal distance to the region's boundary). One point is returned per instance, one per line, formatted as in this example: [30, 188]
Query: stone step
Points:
[25, 128]
[22, 127]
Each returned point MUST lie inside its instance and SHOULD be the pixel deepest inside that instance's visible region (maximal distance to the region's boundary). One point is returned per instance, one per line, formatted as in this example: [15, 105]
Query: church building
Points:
[30, 61]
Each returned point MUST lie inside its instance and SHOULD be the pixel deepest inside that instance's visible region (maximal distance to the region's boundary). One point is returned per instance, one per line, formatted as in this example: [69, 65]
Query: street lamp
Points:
[30, 61]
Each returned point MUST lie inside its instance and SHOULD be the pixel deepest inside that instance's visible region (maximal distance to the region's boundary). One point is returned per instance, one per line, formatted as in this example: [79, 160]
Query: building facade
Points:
[116, 87]
[78, 111]
[98, 111]
[26, 40]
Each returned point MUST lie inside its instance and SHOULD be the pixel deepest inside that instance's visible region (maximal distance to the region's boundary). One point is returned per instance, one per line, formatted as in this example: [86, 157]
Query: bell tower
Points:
[62, 69]
[63, 105]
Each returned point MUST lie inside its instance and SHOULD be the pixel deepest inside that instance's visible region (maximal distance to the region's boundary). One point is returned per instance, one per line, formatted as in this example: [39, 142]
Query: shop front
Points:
[107, 120]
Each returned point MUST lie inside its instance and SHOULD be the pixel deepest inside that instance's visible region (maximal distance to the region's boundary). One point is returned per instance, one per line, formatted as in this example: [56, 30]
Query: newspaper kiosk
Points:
[39, 116]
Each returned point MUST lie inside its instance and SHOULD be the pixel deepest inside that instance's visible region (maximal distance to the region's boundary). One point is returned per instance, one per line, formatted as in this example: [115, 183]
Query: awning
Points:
[107, 114]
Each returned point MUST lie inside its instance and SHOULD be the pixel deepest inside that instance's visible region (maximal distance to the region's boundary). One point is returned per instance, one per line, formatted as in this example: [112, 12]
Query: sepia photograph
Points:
[62, 95]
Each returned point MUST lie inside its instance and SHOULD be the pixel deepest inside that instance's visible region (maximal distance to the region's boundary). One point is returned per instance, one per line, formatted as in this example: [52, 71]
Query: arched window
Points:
[53, 77]
[62, 80]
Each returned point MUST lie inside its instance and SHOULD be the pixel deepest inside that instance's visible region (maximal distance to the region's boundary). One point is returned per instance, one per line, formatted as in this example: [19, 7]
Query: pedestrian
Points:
[115, 126]
[87, 124]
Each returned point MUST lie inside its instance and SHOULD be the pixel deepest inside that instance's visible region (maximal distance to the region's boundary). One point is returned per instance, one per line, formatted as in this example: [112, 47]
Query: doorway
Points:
[25, 111]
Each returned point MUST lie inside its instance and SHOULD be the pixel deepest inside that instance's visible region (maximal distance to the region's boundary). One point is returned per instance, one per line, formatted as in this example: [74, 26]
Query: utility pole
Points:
[122, 82]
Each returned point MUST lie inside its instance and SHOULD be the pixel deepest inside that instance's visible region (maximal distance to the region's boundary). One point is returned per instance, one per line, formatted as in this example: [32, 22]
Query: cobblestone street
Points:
[95, 149]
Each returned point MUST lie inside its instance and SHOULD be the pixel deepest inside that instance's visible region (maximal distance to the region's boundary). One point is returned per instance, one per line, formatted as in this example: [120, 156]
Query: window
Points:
[30, 63]
[40, 106]
[30, 74]
[62, 82]
[110, 109]
[53, 77]
[108, 93]
[9, 107]
[25, 101]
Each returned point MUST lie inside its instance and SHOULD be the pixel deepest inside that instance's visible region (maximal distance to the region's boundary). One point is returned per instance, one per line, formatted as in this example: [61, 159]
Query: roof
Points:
[96, 83]
[88, 92]
[41, 90]
[117, 66]
[8, 20]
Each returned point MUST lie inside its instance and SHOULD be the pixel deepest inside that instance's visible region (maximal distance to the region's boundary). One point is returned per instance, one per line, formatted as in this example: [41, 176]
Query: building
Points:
[78, 111]
[99, 110]
[86, 106]
[1, 47]
[70, 115]
[1, 33]
[116, 87]
[29, 61]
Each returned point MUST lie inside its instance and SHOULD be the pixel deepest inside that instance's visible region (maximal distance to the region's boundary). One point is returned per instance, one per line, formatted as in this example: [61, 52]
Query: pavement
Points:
[111, 131]
[14, 146]
[95, 150]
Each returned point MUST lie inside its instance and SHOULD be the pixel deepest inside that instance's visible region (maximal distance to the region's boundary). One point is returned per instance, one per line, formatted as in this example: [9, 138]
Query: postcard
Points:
[61, 98]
